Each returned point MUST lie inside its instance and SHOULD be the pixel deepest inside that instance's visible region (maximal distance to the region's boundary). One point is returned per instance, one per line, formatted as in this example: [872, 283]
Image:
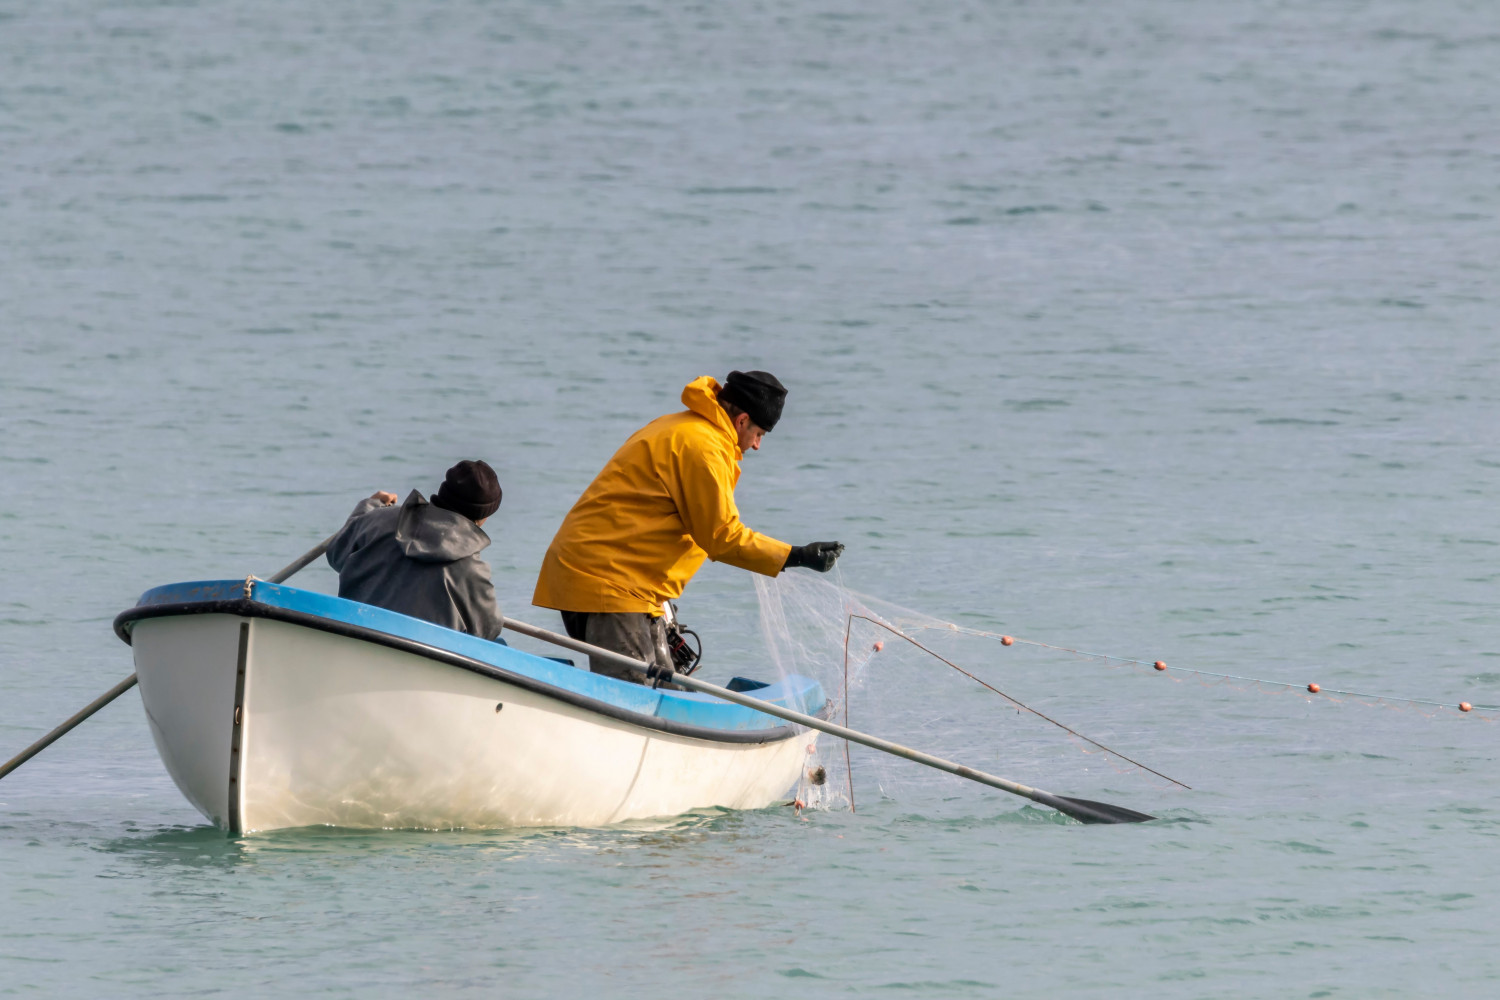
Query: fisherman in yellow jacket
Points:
[663, 504]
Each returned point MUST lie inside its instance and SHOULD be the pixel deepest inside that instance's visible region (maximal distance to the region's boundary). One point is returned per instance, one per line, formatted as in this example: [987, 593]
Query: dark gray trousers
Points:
[632, 633]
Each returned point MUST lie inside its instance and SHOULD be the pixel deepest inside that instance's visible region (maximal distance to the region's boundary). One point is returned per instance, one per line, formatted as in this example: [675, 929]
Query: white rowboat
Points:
[284, 707]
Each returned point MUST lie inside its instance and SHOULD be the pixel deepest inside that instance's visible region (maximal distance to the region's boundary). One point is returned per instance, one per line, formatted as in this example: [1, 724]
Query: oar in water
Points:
[1082, 809]
[130, 682]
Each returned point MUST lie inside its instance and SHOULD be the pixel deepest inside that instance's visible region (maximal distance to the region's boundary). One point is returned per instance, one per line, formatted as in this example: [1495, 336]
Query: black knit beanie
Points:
[759, 394]
[470, 489]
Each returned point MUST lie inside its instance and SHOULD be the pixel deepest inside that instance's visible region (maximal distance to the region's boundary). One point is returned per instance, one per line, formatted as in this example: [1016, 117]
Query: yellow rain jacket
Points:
[663, 504]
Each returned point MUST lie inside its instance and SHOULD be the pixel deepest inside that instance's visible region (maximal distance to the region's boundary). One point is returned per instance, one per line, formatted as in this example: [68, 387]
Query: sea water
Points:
[1157, 329]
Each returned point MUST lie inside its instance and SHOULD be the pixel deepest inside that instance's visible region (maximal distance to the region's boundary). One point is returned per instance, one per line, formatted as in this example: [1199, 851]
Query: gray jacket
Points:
[419, 560]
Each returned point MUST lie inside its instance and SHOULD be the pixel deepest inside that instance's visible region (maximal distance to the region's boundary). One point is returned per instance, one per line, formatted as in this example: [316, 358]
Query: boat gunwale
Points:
[250, 608]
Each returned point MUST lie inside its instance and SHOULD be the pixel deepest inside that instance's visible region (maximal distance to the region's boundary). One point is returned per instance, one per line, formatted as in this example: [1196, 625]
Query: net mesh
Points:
[882, 667]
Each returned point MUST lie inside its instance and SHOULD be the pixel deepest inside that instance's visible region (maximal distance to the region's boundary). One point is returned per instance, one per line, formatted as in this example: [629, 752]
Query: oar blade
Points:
[1089, 811]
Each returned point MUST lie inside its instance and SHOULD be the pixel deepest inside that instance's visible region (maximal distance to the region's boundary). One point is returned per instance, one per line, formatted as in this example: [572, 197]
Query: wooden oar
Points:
[1082, 809]
[130, 682]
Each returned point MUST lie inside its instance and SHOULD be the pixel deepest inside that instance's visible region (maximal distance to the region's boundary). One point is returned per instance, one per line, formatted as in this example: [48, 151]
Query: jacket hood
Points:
[701, 396]
[434, 535]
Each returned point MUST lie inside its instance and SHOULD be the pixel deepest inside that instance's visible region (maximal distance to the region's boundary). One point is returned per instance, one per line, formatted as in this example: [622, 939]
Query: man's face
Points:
[748, 432]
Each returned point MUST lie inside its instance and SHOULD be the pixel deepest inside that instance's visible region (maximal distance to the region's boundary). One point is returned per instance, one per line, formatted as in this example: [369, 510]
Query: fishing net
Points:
[941, 688]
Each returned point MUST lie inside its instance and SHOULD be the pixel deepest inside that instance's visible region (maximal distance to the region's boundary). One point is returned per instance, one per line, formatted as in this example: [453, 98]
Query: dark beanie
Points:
[757, 393]
[470, 489]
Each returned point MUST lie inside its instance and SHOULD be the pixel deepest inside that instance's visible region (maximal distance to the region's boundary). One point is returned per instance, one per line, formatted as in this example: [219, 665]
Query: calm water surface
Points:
[1165, 330]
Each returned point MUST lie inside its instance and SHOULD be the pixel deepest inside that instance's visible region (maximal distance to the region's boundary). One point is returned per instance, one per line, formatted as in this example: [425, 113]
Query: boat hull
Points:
[266, 724]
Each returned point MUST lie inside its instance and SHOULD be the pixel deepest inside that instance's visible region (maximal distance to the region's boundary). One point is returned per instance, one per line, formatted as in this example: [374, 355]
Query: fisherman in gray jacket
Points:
[422, 558]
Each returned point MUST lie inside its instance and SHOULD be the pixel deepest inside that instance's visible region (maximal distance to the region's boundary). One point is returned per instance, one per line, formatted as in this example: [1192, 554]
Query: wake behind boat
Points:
[276, 707]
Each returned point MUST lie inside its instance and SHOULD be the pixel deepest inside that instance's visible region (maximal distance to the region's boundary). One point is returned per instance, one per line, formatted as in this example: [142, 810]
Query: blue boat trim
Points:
[679, 712]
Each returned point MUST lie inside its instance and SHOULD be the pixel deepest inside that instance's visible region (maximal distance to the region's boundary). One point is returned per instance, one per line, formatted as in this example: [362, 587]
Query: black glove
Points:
[815, 555]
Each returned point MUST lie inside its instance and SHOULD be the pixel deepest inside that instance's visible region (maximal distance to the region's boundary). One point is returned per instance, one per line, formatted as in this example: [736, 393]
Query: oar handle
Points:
[302, 560]
[1091, 812]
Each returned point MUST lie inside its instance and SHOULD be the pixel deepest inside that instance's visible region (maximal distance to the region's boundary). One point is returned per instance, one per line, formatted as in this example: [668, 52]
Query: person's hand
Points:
[386, 499]
[815, 555]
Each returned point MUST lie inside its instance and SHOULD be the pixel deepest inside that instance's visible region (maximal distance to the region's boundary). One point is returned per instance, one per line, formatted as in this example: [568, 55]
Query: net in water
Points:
[938, 687]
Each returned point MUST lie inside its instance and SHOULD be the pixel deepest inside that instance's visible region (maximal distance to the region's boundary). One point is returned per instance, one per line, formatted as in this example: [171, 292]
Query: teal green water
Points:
[1150, 328]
